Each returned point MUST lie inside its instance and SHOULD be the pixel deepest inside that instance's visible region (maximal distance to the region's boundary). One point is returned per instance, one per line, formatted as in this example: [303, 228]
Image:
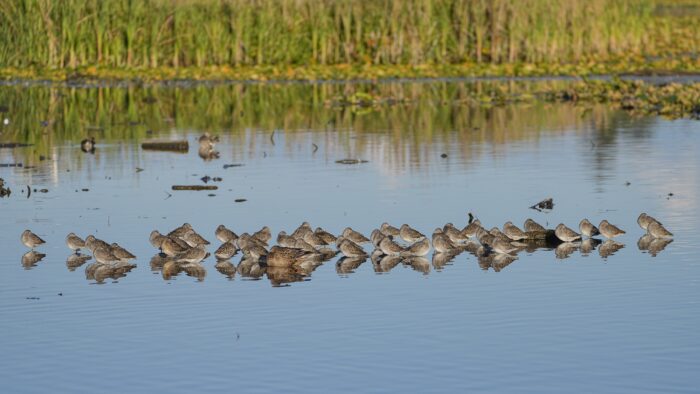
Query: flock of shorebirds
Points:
[306, 248]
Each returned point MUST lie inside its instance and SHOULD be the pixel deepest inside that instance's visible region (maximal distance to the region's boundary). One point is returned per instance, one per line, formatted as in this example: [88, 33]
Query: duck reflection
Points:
[31, 258]
[226, 268]
[609, 248]
[76, 260]
[348, 265]
[100, 272]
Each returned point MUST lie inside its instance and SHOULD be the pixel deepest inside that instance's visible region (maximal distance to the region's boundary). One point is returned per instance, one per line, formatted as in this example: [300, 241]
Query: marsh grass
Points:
[198, 33]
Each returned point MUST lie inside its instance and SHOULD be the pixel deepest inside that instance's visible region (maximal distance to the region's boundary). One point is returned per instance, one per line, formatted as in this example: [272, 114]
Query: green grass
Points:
[49, 34]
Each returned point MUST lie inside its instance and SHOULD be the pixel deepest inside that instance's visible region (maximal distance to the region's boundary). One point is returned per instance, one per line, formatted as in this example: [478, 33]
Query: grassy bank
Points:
[275, 36]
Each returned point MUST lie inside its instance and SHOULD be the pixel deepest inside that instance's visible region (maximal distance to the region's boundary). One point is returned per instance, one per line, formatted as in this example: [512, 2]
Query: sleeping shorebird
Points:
[410, 235]
[531, 225]
[588, 229]
[609, 231]
[644, 220]
[513, 232]
[74, 242]
[657, 230]
[566, 234]
[31, 240]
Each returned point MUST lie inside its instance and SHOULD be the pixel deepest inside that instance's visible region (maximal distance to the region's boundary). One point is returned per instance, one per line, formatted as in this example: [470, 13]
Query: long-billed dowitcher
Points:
[285, 240]
[104, 255]
[376, 237]
[472, 228]
[93, 243]
[121, 253]
[225, 251]
[420, 248]
[657, 230]
[484, 237]
[327, 237]
[171, 248]
[644, 220]
[389, 230]
[500, 245]
[224, 234]
[354, 236]
[349, 248]
[192, 255]
[74, 242]
[608, 230]
[531, 225]
[387, 246]
[180, 232]
[409, 234]
[455, 235]
[263, 235]
[313, 239]
[513, 232]
[588, 229]
[193, 239]
[156, 239]
[300, 231]
[31, 240]
[566, 234]
[496, 232]
[441, 243]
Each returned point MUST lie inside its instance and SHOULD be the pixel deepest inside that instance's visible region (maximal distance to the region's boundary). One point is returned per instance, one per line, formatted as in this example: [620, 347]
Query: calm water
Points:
[625, 323]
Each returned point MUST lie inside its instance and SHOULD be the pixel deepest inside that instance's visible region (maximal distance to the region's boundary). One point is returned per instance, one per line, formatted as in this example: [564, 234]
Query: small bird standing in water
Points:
[226, 251]
[420, 248]
[609, 231]
[121, 253]
[566, 234]
[656, 230]
[88, 145]
[531, 225]
[327, 237]
[354, 236]
[349, 248]
[513, 232]
[31, 240]
[441, 243]
[388, 230]
[588, 229]
[225, 235]
[644, 220]
[410, 235]
[472, 228]
[74, 242]
[390, 247]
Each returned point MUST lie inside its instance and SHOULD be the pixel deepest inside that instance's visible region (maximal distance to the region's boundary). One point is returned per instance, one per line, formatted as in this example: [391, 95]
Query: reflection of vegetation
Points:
[420, 115]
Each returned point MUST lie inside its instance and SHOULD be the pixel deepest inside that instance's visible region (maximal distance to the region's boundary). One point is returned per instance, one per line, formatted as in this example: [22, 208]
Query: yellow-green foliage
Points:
[196, 33]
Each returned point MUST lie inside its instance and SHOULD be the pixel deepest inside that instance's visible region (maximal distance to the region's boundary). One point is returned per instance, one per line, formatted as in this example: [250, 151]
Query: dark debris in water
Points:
[545, 204]
[232, 165]
[13, 145]
[240, 200]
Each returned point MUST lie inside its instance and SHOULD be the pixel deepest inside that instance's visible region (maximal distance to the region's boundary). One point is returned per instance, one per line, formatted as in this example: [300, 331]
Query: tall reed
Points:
[186, 33]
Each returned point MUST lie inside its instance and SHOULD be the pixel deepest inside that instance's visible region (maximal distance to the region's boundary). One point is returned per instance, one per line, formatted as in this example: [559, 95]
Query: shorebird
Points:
[566, 234]
[314, 240]
[280, 256]
[657, 230]
[354, 236]
[171, 248]
[644, 220]
[472, 228]
[496, 232]
[263, 235]
[253, 250]
[327, 237]
[389, 247]
[455, 235]
[285, 240]
[531, 225]
[193, 239]
[104, 255]
[484, 237]
[74, 242]
[588, 229]
[410, 235]
[500, 245]
[31, 240]
[181, 231]
[226, 251]
[609, 230]
[388, 230]
[156, 239]
[192, 256]
[93, 243]
[349, 248]
[513, 232]
[225, 235]
[376, 237]
[301, 230]
[420, 248]
[121, 253]
[441, 243]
